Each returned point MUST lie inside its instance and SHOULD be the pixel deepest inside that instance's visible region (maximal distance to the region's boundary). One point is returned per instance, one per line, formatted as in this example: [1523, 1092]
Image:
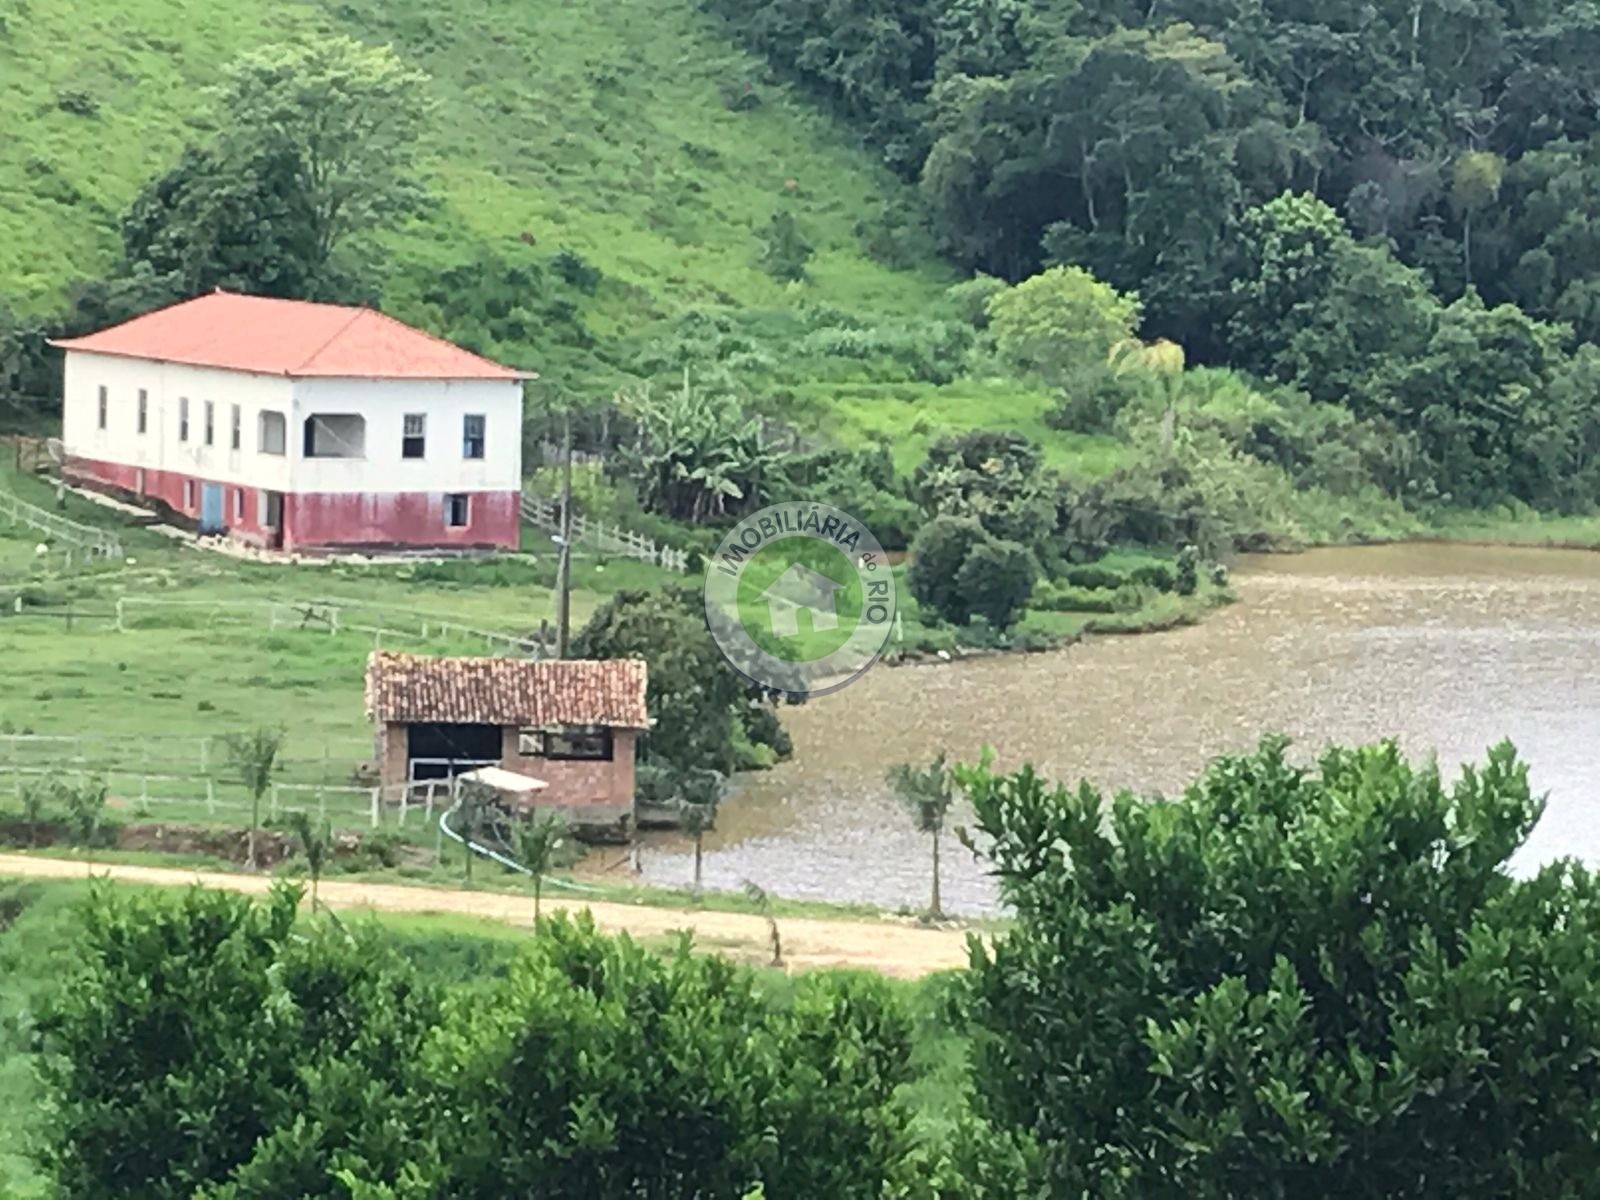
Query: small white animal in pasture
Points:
[41, 550]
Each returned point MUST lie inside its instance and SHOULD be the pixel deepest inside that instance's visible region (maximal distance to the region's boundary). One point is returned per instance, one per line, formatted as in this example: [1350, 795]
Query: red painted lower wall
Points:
[400, 519]
[320, 520]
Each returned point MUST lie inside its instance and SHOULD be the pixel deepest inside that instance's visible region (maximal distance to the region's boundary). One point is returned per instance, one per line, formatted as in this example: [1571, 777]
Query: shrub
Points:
[1187, 577]
[598, 1068]
[576, 270]
[784, 249]
[971, 298]
[1064, 597]
[1154, 575]
[204, 1039]
[79, 104]
[1092, 397]
[1094, 577]
[995, 581]
[1289, 982]
[937, 553]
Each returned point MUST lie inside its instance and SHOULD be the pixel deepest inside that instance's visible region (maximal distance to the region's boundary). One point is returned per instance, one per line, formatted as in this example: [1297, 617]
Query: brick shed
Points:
[571, 723]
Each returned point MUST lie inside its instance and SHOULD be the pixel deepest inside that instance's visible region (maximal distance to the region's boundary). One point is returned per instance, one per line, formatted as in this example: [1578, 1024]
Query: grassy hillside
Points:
[606, 126]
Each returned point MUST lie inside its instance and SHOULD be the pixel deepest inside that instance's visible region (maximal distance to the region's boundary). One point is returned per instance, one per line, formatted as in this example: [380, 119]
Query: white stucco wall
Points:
[159, 447]
[384, 403]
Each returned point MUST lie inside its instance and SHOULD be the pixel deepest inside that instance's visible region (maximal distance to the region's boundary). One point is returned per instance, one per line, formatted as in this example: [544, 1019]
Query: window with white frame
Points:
[414, 440]
[144, 410]
[188, 493]
[211, 423]
[101, 419]
[183, 418]
[237, 429]
[238, 504]
[472, 435]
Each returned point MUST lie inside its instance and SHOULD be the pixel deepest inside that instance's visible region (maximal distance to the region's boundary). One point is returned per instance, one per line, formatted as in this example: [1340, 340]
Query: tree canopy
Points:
[1289, 980]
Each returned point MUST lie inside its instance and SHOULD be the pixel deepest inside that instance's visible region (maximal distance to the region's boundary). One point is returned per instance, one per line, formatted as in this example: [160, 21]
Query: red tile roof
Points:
[408, 688]
[288, 337]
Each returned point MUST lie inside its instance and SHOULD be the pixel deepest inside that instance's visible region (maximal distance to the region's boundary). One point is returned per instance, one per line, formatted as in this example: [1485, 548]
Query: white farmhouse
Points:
[298, 426]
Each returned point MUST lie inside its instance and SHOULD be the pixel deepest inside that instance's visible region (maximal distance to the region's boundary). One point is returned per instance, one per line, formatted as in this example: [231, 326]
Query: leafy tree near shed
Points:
[693, 695]
[1290, 981]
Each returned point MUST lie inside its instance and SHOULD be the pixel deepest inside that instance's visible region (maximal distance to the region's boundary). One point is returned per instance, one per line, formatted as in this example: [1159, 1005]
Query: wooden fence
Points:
[605, 539]
[388, 626]
[83, 542]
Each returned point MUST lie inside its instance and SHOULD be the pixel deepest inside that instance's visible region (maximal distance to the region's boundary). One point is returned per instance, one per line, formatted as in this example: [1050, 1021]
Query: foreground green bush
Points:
[1290, 982]
[214, 1047]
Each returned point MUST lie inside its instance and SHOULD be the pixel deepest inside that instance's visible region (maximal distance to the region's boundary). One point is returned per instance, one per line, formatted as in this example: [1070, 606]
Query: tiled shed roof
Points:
[411, 688]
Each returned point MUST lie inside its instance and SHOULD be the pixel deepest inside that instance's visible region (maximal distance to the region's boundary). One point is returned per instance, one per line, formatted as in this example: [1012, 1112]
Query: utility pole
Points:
[564, 574]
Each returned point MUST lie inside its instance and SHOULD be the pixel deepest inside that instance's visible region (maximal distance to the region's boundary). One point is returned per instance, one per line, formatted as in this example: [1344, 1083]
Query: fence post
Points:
[205, 754]
[377, 807]
[16, 775]
[211, 797]
[405, 803]
[121, 627]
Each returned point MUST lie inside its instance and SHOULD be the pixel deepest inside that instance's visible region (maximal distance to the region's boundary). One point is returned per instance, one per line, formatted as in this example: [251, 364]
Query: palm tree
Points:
[1161, 362]
[927, 793]
[316, 843]
[475, 802]
[253, 757]
[757, 895]
[538, 840]
[699, 794]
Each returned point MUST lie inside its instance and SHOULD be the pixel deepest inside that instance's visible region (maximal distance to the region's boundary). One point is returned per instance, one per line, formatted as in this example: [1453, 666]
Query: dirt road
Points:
[892, 948]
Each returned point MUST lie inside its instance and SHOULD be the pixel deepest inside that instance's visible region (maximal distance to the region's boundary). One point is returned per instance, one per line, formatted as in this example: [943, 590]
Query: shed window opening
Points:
[144, 411]
[236, 429]
[592, 742]
[414, 441]
[238, 504]
[274, 433]
[457, 510]
[102, 410]
[472, 436]
[336, 435]
[183, 418]
[211, 423]
[188, 493]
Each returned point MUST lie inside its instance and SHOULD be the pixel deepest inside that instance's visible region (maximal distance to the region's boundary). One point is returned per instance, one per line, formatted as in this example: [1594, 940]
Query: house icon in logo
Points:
[801, 587]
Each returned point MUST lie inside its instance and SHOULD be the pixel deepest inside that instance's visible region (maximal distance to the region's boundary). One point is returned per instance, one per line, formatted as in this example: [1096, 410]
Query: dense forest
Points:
[1134, 139]
[1391, 206]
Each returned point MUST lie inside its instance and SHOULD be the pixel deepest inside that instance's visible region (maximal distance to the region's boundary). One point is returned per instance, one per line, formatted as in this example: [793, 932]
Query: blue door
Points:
[211, 508]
